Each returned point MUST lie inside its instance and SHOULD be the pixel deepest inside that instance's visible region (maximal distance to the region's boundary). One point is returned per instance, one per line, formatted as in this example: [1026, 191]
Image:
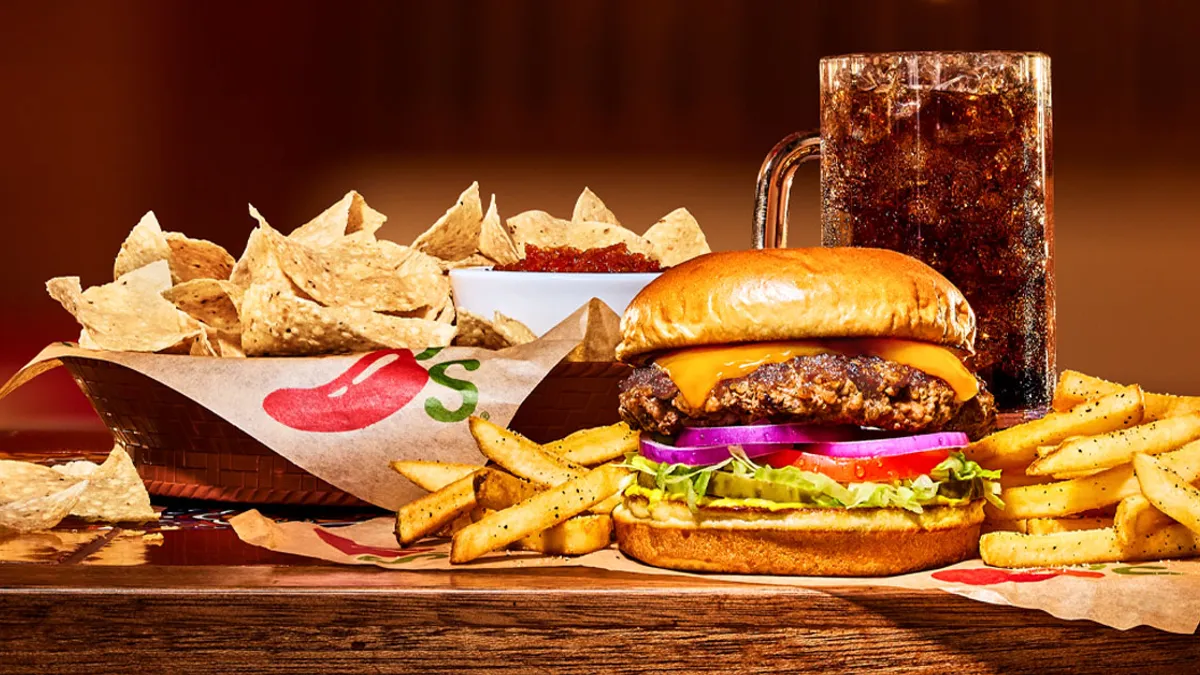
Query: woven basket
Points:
[573, 396]
[184, 450]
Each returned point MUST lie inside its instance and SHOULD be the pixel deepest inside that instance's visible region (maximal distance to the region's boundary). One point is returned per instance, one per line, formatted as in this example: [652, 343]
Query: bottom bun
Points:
[807, 542]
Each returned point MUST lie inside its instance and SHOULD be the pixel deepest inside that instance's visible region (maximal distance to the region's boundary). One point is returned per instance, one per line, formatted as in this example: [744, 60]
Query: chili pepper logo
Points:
[374, 388]
[351, 547]
[986, 576]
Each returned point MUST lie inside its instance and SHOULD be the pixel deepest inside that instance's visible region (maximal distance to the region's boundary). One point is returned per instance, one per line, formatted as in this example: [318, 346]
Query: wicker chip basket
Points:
[183, 450]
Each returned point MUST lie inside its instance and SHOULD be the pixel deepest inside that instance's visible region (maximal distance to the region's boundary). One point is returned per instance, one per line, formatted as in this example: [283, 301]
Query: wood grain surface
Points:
[85, 599]
[573, 620]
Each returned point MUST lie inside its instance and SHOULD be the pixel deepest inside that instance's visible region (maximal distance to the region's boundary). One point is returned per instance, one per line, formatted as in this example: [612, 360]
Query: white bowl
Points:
[541, 300]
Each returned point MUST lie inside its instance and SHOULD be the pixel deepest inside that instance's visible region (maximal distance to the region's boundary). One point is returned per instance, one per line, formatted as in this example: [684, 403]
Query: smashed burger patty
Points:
[826, 389]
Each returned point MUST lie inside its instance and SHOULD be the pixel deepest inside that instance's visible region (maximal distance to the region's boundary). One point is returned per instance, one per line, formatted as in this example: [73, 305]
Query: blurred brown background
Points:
[195, 109]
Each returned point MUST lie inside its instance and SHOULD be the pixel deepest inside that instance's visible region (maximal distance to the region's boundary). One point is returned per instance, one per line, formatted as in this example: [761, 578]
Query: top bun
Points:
[795, 294]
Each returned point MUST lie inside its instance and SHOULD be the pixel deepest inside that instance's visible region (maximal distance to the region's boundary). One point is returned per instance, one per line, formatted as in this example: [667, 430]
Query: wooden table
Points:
[199, 601]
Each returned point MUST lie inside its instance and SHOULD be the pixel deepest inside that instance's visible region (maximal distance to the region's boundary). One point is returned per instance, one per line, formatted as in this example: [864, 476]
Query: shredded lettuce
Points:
[955, 481]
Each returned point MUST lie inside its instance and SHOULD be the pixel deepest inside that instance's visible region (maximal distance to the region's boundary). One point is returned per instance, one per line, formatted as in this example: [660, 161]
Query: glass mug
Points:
[946, 157]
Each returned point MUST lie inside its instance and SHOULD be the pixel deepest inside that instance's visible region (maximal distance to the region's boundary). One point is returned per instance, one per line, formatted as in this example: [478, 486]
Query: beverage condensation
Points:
[948, 158]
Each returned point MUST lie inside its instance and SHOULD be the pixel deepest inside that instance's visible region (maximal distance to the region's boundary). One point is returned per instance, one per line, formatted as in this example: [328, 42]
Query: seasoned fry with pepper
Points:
[425, 515]
[1017, 446]
[521, 456]
[539, 512]
[1013, 549]
[1081, 487]
[1115, 448]
[1169, 491]
[1075, 387]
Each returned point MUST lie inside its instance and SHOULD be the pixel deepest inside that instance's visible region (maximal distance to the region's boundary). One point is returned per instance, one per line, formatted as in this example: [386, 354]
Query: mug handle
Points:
[775, 186]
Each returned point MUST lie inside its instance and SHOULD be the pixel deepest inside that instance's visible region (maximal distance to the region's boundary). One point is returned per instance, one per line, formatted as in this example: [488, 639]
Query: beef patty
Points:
[826, 389]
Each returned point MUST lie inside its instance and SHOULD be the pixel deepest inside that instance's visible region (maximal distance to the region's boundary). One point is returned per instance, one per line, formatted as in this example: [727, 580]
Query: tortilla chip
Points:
[476, 331]
[115, 493]
[588, 235]
[447, 313]
[473, 260]
[589, 208]
[677, 238]
[209, 301]
[537, 228]
[456, 234]
[201, 346]
[376, 275]
[443, 313]
[229, 348]
[79, 469]
[275, 323]
[259, 264]
[86, 341]
[68, 293]
[514, 331]
[25, 480]
[197, 259]
[145, 244]
[221, 343]
[128, 314]
[349, 216]
[494, 240]
[42, 512]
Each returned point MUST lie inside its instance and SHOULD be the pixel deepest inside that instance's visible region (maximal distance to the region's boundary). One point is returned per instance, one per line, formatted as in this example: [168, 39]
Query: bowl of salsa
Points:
[550, 283]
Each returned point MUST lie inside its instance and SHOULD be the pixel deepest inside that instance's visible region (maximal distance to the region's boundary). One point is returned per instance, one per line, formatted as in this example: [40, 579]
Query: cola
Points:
[956, 172]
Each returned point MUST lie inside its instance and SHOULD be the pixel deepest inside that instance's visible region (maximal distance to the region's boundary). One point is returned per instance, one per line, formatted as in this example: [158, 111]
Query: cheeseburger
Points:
[802, 412]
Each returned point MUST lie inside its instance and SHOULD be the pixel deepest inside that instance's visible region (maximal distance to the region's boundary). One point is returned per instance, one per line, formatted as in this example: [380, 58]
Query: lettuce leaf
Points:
[955, 481]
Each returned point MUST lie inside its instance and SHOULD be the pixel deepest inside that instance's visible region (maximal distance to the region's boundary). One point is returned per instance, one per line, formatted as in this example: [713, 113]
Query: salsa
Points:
[616, 258]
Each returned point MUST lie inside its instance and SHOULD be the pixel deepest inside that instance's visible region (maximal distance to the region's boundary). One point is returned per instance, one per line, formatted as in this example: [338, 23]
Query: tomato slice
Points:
[861, 469]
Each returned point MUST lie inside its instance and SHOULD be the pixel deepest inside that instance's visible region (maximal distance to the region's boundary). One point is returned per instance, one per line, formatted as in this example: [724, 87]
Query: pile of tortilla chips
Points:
[331, 286]
[35, 497]
[675, 238]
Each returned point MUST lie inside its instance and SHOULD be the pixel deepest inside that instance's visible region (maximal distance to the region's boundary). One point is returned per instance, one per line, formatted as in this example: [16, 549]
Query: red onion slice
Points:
[766, 433]
[885, 447]
[702, 455]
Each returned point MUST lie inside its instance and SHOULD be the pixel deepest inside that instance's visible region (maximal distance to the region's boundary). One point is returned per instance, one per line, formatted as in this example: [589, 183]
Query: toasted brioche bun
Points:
[808, 542]
[795, 294]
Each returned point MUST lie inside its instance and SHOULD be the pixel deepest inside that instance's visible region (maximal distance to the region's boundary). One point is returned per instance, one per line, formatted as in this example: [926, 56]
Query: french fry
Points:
[1064, 498]
[1075, 387]
[1071, 475]
[448, 530]
[521, 456]
[1003, 525]
[577, 536]
[606, 507]
[1012, 549]
[1136, 517]
[1163, 406]
[1118, 447]
[591, 447]
[1043, 450]
[1052, 525]
[1015, 478]
[1016, 447]
[541, 511]
[1168, 491]
[428, 514]
[497, 490]
[432, 476]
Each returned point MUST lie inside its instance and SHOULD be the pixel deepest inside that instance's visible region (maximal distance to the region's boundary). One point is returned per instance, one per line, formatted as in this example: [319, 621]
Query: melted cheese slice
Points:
[696, 371]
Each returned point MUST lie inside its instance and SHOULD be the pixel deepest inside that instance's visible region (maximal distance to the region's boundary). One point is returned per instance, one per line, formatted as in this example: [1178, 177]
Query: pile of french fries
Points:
[1107, 477]
[553, 498]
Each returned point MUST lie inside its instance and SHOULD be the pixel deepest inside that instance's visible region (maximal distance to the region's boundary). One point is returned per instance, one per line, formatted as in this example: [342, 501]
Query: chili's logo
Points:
[376, 387]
